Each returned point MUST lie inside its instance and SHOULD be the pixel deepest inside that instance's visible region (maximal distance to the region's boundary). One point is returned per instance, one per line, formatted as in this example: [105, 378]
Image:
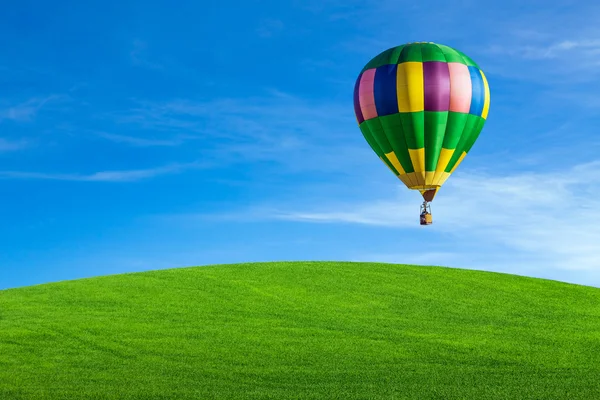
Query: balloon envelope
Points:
[421, 106]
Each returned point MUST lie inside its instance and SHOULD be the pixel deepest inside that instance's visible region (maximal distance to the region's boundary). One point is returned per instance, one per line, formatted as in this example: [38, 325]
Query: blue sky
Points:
[138, 135]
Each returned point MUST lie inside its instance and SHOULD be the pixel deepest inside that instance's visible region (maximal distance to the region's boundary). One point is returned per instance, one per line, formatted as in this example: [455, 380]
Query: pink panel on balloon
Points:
[460, 87]
[365, 94]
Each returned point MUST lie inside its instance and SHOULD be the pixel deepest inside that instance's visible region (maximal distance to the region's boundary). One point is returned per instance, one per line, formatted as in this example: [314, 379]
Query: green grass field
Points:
[305, 330]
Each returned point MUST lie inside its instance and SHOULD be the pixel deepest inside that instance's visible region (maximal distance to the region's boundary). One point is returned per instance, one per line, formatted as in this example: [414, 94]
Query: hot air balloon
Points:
[421, 106]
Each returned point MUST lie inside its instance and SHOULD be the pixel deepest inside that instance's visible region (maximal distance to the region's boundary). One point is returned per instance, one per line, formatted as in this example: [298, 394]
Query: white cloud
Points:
[532, 222]
[574, 52]
[548, 43]
[536, 48]
[105, 176]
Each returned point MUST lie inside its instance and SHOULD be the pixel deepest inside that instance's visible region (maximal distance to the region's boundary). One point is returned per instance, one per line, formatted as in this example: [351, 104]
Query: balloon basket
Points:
[425, 217]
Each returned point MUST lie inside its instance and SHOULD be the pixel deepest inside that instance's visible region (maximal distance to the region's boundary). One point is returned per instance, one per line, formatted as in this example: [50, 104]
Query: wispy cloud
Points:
[138, 56]
[269, 27]
[106, 176]
[563, 48]
[548, 43]
[27, 110]
[277, 127]
[143, 142]
[574, 58]
[12, 145]
[547, 220]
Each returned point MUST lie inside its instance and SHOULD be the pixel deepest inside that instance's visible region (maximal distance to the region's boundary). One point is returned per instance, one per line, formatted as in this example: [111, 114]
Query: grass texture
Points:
[301, 330]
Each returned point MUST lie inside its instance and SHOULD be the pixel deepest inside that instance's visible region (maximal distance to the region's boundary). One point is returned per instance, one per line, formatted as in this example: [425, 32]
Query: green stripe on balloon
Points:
[394, 55]
[392, 126]
[379, 60]
[470, 127]
[370, 139]
[387, 57]
[474, 134]
[451, 55]
[411, 53]
[413, 125]
[455, 126]
[419, 52]
[432, 53]
[378, 133]
[364, 128]
[434, 130]
[468, 59]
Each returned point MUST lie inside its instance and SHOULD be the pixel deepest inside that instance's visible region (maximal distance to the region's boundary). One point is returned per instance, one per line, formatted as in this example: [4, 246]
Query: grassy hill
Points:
[306, 330]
